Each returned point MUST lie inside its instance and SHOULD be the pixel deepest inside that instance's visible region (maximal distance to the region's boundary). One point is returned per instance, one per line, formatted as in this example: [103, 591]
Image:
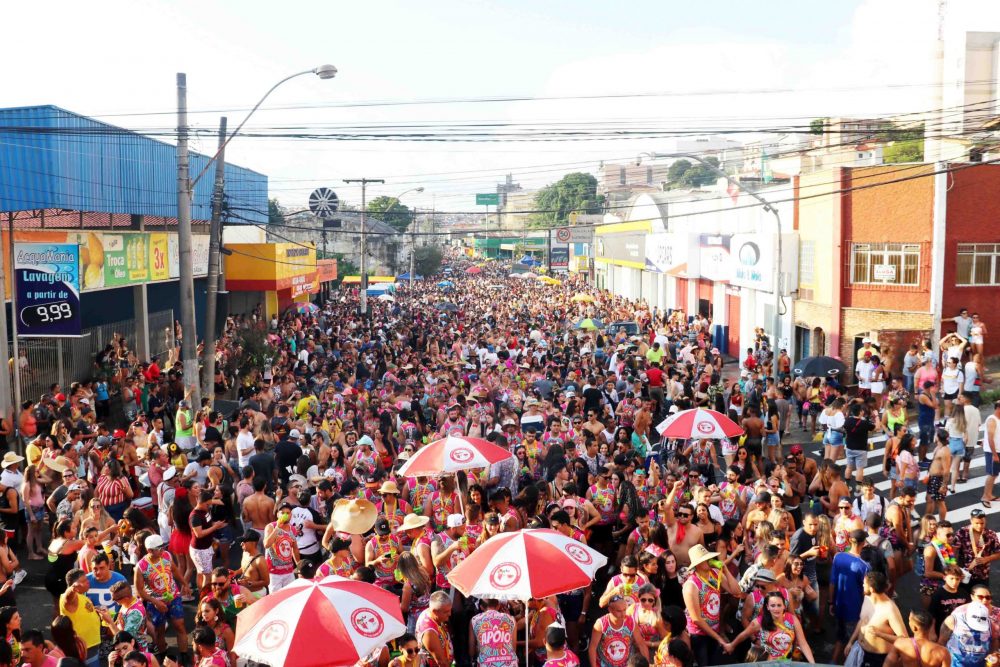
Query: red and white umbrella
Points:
[451, 454]
[531, 563]
[332, 622]
[699, 423]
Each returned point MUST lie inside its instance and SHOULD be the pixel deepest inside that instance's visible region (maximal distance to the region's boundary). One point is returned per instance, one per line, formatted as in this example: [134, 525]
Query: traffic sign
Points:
[488, 199]
[575, 234]
[323, 202]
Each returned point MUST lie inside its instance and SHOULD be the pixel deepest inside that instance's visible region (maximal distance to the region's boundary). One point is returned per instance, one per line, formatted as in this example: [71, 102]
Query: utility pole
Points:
[189, 343]
[214, 245]
[10, 410]
[413, 247]
[364, 240]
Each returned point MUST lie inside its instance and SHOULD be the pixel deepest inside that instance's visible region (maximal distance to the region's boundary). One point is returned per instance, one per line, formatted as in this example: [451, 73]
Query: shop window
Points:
[977, 264]
[885, 264]
[807, 262]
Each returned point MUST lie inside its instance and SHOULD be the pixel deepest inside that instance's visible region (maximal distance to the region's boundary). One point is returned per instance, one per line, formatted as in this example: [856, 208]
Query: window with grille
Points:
[978, 264]
[807, 262]
[885, 264]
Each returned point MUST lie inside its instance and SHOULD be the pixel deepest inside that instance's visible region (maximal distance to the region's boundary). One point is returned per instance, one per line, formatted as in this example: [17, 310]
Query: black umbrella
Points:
[819, 366]
[447, 306]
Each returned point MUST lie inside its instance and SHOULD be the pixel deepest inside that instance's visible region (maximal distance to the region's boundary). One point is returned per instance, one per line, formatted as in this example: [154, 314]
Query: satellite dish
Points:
[323, 202]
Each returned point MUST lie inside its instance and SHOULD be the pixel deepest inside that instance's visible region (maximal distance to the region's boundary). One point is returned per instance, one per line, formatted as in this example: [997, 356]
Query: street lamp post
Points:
[413, 243]
[767, 207]
[185, 188]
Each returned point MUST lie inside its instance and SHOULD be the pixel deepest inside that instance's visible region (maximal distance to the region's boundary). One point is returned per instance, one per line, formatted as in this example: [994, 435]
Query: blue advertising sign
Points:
[47, 283]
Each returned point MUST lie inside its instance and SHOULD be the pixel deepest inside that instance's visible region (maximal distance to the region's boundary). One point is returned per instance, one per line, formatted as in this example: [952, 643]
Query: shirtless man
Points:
[918, 651]
[899, 527]
[936, 475]
[253, 572]
[682, 534]
[838, 487]
[880, 623]
[594, 426]
[258, 508]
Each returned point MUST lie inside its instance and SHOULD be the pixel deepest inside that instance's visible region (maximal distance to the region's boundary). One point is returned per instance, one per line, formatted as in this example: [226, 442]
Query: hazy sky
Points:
[120, 57]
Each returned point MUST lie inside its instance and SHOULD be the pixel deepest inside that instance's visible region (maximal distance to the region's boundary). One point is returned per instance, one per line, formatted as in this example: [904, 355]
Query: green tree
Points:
[391, 211]
[275, 212]
[818, 125]
[345, 267]
[684, 174]
[427, 259]
[911, 150]
[677, 170]
[573, 192]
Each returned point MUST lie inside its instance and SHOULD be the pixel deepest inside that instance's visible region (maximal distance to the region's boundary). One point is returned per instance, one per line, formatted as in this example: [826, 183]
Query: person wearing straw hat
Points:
[417, 530]
[382, 552]
[703, 603]
[391, 506]
[350, 519]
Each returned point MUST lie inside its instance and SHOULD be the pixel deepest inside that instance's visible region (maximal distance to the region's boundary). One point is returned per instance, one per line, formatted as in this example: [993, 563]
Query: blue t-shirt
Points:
[847, 575]
[100, 592]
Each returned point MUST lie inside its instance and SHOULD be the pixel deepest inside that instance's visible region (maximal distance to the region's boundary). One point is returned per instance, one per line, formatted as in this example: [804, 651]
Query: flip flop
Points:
[985, 503]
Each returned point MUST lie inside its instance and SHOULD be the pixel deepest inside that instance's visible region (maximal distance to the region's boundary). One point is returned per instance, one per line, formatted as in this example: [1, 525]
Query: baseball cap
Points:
[456, 520]
[249, 536]
[796, 449]
[60, 397]
[382, 527]
[153, 542]
[977, 616]
[294, 434]
[118, 434]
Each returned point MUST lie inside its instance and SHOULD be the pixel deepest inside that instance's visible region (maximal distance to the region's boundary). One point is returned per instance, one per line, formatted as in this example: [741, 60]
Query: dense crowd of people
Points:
[720, 551]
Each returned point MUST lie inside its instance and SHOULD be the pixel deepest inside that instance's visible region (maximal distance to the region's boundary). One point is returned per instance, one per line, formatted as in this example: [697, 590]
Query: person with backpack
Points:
[869, 502]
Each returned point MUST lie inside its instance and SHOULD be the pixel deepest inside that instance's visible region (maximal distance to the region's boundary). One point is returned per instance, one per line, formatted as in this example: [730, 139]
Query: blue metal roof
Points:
[51, 158]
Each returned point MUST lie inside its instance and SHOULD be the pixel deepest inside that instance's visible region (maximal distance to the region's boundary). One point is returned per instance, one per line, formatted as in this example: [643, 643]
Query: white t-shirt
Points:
[951, 380]
[863, 371]
[304, 537]
[244, 448]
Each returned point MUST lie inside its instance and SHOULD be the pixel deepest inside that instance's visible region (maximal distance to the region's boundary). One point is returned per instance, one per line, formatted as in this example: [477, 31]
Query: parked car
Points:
[631, 328]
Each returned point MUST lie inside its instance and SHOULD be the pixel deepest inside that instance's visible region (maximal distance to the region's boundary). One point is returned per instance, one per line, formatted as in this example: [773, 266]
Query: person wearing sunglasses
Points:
[647, 616]
[970, 632]
[409, 653]
[843, 523]
[681, 531]
[977, 547]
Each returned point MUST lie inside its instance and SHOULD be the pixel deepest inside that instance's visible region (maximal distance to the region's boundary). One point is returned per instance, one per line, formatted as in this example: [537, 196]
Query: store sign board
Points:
[47, 279]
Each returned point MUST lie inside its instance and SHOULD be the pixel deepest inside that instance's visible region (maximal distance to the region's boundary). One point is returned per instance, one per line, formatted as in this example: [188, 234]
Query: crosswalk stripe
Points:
[960, 504]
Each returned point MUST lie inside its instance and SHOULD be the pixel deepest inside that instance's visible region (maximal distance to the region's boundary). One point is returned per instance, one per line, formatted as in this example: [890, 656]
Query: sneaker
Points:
[19, 576]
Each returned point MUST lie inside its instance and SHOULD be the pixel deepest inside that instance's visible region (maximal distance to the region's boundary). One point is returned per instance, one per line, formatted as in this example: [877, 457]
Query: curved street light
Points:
[214, 244]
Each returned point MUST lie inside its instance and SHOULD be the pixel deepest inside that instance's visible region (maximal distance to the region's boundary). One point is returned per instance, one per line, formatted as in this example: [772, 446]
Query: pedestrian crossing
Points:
[960, 504]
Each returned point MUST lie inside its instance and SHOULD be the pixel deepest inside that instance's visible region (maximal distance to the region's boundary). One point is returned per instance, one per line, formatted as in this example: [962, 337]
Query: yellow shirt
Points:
[305, 405]
[654, 355]
[86, 622]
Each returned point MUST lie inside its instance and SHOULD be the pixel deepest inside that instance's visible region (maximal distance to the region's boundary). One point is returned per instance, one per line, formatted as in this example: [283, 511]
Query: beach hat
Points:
[765, 575]
[389, 486]
[353, 516]
[413, 521]
[60, 464]
[10, 458]
[699, 554]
